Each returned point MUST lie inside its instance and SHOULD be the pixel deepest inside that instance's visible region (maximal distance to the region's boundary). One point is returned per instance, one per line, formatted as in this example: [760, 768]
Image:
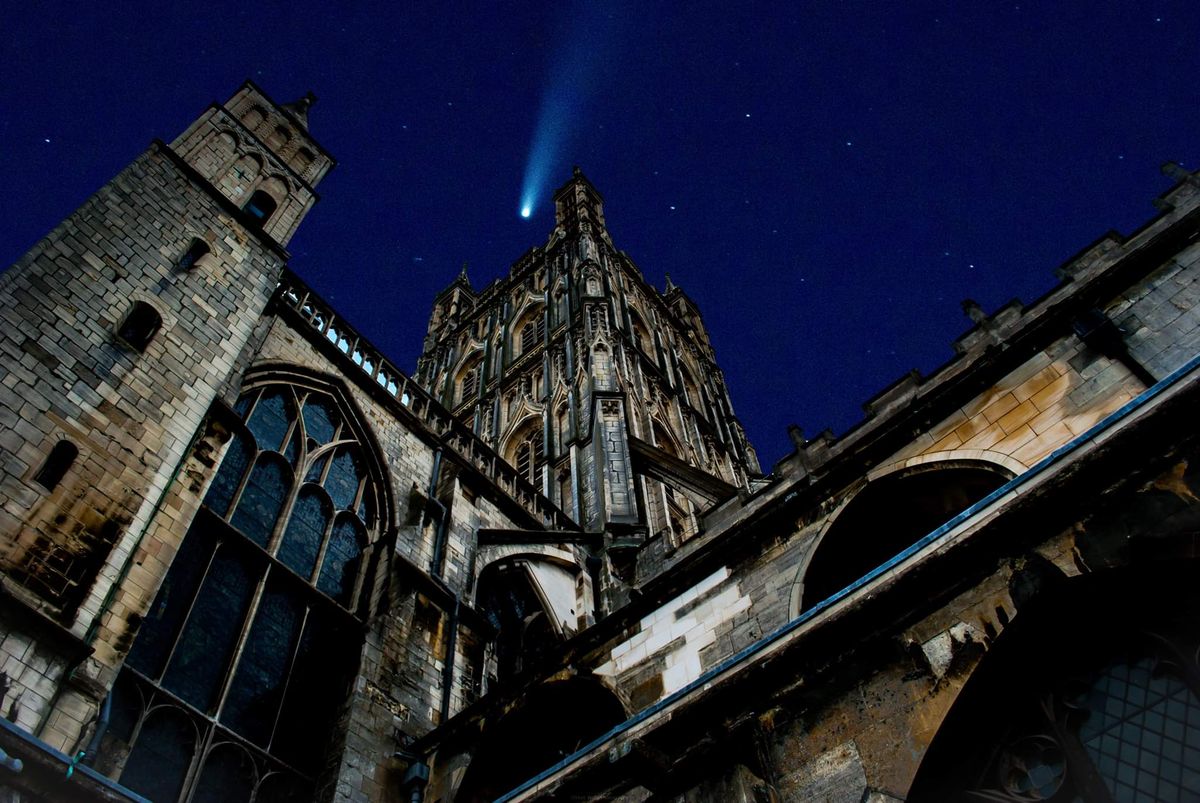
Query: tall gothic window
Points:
[468, 382]
[529, 456]
[232, 688]
[532, 332]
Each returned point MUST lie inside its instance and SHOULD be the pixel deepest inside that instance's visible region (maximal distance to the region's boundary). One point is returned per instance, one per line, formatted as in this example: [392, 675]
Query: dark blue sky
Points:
[827, 180]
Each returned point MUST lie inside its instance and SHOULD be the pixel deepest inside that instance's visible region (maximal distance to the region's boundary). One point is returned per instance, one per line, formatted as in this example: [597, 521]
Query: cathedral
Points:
[245, 557]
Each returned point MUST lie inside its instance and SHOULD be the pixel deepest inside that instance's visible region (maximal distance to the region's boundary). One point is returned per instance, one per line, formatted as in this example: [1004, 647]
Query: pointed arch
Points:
[258, 624]
[525, 449]
[883, 517]
[468, 379]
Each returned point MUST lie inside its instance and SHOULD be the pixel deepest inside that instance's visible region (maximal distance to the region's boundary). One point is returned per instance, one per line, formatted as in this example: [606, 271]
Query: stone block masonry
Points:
[67, 375]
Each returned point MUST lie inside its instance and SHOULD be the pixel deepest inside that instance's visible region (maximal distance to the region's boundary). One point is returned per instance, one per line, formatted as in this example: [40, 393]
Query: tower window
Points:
[140, 325]
[470, 384]
[195, 252]
[260, 207]
[532, 333]
[529, 456]
[57, 464]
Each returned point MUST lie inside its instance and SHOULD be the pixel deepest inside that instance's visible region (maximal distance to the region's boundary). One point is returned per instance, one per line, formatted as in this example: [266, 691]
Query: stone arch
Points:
[546, 736]
[254, 117]
[264, 373]
[241, 176]
[1005, 462]
[1092, 692]
[906, 503]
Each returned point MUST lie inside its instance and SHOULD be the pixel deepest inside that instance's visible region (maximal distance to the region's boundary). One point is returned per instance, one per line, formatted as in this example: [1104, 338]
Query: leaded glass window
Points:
[231, 689]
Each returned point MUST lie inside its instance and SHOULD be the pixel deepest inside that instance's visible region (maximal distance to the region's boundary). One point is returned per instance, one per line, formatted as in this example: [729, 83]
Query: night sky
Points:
[827, 180]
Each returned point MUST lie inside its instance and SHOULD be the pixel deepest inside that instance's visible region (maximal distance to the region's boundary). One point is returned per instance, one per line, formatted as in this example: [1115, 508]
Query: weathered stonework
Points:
[244, 555]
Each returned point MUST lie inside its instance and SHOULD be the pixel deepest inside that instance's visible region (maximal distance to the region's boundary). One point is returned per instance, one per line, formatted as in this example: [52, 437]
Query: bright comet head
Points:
[525, 211]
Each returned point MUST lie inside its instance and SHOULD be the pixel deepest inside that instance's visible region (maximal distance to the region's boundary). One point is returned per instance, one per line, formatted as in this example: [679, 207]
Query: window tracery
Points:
[233, 682]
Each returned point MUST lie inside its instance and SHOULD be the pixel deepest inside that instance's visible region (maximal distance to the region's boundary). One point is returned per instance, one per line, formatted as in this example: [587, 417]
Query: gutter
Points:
[744, 655]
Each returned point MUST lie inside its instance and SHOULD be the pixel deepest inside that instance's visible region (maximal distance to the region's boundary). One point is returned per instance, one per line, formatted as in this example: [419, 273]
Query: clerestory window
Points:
[232, 688]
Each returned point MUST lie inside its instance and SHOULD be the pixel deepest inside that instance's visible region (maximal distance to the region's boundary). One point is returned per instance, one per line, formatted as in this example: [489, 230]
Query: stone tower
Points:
[121, 328]
[602, 390]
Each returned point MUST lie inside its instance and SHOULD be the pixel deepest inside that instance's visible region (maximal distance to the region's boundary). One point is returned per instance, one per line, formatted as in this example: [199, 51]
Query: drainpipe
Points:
[416, 777]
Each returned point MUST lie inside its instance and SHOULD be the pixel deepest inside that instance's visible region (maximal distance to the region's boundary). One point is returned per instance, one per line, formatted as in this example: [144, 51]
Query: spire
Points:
[462, 276]
[670, 285]
[299, 108]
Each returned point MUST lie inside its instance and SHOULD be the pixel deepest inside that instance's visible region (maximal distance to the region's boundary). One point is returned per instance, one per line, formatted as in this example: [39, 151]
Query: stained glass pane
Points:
[305, 531]
[257, 687]
[171, 605]
[160, 758]
[320, 419]
[270, 419]
[340, 567]
[344, 474]
[259, 506]
[211, 633]
[228, 776]
[233, 466]
[325, 662]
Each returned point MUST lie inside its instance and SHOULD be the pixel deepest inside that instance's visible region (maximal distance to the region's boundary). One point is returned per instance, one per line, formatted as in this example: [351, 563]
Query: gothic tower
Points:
[602, 390]
[121, 328]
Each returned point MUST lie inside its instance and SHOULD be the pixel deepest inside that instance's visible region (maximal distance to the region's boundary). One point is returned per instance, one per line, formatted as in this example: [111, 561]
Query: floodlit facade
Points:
[246, 557]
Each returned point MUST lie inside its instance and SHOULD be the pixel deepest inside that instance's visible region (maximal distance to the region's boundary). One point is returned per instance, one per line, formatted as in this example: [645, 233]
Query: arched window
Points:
[240, 176]
[260, 207]
[528, 455]
[254, 636]
[278, 138]
[641, 334]
[469, 380]
[196, 251]
[530, 332]
[57, 464]
[140, 325]
[1090, 694]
